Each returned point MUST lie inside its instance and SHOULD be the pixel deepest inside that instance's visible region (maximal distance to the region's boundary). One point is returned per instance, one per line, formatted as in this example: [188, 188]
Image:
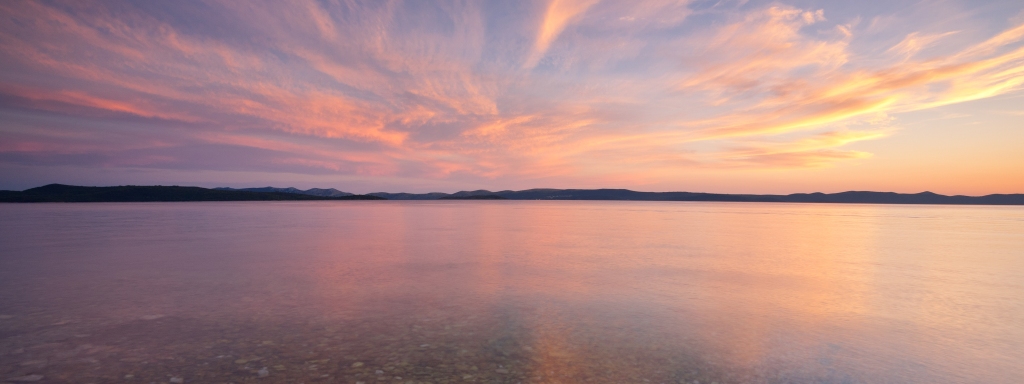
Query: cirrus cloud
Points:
[529, 92]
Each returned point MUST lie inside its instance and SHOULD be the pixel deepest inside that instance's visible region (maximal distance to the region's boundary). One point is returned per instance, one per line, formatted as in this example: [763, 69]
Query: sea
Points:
[511, 292]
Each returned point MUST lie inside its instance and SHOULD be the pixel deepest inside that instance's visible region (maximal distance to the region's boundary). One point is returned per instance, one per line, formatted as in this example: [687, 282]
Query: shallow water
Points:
[511, 291]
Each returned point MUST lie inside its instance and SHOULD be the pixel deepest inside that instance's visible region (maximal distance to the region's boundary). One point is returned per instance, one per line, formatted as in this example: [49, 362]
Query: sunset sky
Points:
[419, 96]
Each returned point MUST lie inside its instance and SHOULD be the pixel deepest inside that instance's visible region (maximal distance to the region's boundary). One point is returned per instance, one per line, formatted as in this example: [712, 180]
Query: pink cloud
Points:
[586, 89]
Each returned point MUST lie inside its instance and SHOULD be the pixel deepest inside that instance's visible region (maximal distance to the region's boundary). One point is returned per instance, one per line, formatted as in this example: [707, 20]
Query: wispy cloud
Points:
[522, 92]
[915, 42]
[559, 13]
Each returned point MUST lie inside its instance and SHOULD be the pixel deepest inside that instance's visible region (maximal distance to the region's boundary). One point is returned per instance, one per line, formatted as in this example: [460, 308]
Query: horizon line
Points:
[535, 189]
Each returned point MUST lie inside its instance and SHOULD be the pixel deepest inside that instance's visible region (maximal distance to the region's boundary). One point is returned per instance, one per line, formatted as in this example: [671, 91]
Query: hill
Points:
[473, 197]
[69, 193]
[864, 197]
[328, 192]
[131, 193]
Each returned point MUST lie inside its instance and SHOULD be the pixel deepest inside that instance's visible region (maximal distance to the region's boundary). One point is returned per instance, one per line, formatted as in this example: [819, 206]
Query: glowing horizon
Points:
[731, 97]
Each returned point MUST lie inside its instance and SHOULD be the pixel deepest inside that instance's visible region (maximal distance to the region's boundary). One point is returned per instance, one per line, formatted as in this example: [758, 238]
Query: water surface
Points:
[510, 292]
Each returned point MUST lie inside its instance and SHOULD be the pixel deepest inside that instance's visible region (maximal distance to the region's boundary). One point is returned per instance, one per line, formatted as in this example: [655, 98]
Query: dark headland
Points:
[69, 194]
[59, 193]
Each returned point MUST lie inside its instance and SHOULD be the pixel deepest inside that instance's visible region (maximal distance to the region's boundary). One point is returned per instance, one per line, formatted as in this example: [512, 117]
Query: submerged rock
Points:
[177, 380]
[263, 372]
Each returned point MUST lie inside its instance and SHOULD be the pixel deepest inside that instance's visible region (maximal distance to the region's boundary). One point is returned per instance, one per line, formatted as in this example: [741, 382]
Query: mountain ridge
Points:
[68, 193]
[60, 193]
[863, 197]
[322, 192]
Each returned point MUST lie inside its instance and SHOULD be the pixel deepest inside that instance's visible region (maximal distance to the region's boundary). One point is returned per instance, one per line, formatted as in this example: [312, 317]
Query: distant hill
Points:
[625, 194]
[131, 193]
[473, 197]
[409, 196]
[68, 193]
[330, 192]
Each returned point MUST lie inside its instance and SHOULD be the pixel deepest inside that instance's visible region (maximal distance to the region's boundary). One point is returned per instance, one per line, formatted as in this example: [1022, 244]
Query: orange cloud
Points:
[814, 151]
[915, 42]
[450, 91]
[558, 15]
[785, 101]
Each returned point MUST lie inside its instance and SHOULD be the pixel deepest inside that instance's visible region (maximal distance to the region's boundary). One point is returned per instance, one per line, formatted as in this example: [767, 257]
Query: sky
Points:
[420, 96]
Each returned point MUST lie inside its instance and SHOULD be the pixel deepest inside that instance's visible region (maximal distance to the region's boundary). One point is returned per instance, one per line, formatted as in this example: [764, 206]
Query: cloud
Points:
[915, 42]
[760, 50]
[558, 15]
[767, 66]
[815, 151]
[478, 91]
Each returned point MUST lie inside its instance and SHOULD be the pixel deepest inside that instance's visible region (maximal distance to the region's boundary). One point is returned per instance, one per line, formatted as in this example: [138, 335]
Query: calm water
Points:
[509, 292]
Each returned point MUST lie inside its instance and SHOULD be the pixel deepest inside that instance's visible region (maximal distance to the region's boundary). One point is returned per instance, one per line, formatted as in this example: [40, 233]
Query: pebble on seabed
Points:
[263, 372]
[177, 380]
[26, 379]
